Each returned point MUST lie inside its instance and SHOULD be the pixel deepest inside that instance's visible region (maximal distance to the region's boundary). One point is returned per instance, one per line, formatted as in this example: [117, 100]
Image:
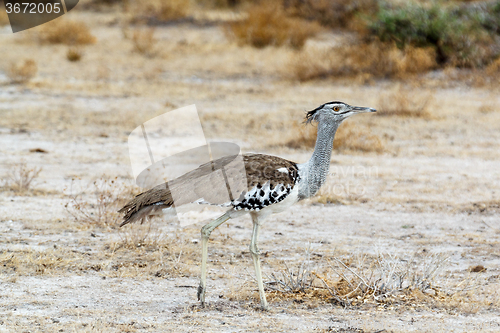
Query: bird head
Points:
[335, 112]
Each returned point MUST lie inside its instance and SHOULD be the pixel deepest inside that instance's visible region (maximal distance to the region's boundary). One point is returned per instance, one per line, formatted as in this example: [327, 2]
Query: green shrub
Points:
[486, 14]
[460, 36]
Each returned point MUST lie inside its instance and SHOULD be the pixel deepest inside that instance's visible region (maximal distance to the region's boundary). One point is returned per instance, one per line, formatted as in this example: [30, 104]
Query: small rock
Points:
[195, 241]
[430, 292]
[38, 150]
[477, 269]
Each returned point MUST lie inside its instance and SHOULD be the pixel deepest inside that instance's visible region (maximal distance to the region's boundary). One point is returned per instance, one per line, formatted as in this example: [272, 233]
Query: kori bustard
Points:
[266, 192]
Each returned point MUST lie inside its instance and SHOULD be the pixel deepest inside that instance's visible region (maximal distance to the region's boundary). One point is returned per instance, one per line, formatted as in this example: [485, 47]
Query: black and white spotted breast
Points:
[270, 180]
[262, 196]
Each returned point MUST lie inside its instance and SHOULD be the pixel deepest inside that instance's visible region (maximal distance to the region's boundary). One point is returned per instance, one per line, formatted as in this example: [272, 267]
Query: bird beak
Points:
[361, 109]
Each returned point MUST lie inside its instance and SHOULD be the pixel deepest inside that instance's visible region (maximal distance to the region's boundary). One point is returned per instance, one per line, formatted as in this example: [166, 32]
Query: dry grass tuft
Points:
[30, 262]
[348, 137]
[268, 24]
[157, 11]
[20, 177]
[142, 235]
[97, 203]
[335, 14]
[494, 67]
[293, 281]
[62, 31]
[404, 103]
[385, 280]
[357, 137]
[415, 60]
[493, 71]
[146, 250]
[74, 54]
[325, 197]
[144, 41]
[374, 59]
[23, 71]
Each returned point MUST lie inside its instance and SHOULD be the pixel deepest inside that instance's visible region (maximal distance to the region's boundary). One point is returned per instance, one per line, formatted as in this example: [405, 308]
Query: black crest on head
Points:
[311, 115]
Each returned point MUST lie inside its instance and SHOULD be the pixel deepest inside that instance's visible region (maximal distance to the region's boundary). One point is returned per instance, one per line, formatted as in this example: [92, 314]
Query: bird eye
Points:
[336, 108]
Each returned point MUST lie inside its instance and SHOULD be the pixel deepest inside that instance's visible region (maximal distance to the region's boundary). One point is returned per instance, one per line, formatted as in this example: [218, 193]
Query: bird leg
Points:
[205, 234]
[255, 255]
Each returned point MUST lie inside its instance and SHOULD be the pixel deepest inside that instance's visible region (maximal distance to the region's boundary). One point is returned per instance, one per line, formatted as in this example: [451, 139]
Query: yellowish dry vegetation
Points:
[133, 254]
[373, 60]
[268, 24]
[355, 137]
[21, 177]
[494, 67]
[97, 203]
[22, 71]
[493, 71]
[96, 123]
[154, 11]
[365, 281]
[405, 103]
[144, 41]
[74, 54]
[65, 31]
[337, 14]
[349, 136]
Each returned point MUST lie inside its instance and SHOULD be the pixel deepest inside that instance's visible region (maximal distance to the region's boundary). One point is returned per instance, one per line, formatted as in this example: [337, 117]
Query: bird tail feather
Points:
[146, 204]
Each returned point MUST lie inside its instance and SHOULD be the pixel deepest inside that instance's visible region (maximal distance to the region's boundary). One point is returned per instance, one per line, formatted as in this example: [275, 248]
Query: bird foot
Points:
[201, 295]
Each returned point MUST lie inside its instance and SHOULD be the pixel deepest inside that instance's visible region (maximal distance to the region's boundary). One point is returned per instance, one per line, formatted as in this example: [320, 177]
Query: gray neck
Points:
[314, 172]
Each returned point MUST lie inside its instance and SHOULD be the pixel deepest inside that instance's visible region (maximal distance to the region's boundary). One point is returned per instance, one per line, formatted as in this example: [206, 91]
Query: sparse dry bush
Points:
[414, 60]
[74, 54]
[144, 41]
[98, 202]
[63, 31]
[21, 177]
[142, 235]
[293, 281]
[359, 280]
[268, 24]
[337, 14]
[405, 103]
[100, 4]
[145, 249]
[493, 70]
[357, 137]
[23, 71]
[30, 262]
[494, 67]
[374, 59]
[157, 11]
[348, 137]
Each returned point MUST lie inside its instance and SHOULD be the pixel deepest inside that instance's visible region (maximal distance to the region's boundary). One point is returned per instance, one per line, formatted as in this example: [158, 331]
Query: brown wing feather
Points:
[196, 184]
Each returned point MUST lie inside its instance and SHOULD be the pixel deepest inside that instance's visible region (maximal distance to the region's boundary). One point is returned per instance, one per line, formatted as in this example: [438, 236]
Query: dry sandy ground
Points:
[433, 190]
